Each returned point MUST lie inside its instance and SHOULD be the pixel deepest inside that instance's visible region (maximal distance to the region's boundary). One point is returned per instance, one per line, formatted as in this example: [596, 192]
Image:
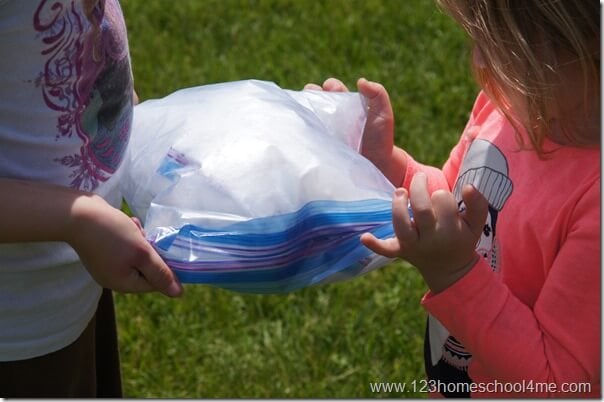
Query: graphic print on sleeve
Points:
[486, 168]
[87, 79]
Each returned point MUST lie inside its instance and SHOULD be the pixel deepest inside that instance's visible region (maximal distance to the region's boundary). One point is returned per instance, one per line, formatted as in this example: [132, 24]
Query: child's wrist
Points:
[439, 280]
[397, 167]
[85, 210]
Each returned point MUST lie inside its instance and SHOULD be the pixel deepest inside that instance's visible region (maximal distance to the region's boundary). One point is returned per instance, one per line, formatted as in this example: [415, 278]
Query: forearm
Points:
[512, 341]
[437, 178]
[525, 326]
[400, 168]
[395, 170]
[33, 211]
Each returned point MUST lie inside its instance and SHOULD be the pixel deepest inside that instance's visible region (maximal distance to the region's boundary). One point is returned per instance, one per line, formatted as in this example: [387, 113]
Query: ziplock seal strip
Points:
[278, 253]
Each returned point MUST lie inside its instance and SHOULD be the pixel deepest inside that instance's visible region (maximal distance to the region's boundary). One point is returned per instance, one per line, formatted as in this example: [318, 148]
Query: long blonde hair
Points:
[521, 41]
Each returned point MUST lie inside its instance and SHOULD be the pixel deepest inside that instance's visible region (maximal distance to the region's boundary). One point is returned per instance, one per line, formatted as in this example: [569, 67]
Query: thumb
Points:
[157, 273]
[378, 100]
[477, 208]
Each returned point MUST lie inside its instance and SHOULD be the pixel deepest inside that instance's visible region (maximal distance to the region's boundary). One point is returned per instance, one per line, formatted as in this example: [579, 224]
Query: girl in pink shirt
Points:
[507, 233]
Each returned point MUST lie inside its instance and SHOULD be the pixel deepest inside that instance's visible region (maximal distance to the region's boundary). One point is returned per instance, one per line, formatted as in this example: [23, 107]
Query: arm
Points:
[111, 246]
[556, 341]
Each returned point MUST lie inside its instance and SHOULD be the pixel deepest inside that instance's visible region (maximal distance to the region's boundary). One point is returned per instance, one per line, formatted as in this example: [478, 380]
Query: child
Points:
[507, 234]
[66, 99]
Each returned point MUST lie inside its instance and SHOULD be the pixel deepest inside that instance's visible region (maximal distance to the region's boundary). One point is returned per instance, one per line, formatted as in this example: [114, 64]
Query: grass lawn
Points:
[323, 342]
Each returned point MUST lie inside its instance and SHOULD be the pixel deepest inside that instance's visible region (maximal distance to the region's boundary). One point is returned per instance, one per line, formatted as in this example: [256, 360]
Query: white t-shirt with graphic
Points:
[65, 117]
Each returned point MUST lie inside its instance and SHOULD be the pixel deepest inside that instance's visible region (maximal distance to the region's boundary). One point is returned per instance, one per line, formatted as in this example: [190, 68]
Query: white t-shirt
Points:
[65, 117]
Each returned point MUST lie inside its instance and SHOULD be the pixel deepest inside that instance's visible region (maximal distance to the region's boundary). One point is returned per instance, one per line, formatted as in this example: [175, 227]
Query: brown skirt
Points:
[89, 367]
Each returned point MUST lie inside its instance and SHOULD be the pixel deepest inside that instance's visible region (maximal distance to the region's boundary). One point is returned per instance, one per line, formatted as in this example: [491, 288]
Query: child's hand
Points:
[114, 250]
[440, 241]
[378, 137]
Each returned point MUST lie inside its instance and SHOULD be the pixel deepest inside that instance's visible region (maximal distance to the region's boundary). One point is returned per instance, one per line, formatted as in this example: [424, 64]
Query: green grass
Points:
[323, 342]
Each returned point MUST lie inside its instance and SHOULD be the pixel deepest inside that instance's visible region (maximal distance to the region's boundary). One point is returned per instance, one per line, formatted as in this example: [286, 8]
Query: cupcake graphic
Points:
[486, 168]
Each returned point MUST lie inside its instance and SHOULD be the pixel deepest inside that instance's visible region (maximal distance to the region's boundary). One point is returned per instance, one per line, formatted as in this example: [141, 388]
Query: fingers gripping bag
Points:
[253, 188]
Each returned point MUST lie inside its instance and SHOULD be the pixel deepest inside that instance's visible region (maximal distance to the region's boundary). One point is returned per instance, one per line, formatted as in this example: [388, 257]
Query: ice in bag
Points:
[253, 188]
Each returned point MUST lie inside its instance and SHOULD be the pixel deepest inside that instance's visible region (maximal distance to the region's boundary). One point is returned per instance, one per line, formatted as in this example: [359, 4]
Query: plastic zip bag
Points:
[249, 187]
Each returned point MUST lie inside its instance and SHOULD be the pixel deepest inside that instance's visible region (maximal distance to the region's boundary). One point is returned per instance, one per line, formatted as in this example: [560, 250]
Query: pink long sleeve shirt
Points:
[526, 318]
